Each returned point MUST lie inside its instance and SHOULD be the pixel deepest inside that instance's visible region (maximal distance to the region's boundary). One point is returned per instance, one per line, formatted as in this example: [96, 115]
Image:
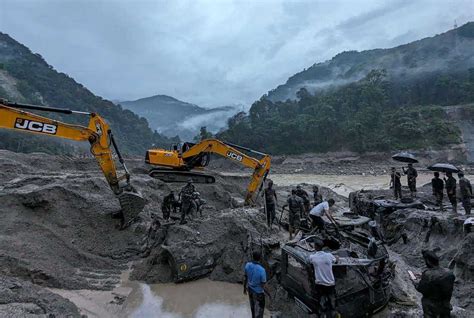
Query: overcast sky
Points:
[212, 52]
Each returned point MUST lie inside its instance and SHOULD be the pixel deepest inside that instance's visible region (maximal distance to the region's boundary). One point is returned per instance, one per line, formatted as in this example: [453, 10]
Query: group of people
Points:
[396, 183]
[438, 186]
[450, 183]
[189, 202]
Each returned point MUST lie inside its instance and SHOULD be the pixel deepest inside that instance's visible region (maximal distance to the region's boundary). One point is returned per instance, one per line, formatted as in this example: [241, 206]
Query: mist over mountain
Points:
[26, 77]
[173, 117]
[450, 52]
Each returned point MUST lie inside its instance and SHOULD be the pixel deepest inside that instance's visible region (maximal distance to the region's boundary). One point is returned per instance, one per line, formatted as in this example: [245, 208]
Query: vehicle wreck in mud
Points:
[362, 282]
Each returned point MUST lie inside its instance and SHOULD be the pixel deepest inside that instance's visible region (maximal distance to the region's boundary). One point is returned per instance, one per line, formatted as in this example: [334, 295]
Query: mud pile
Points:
[425, 228]
[57, 229]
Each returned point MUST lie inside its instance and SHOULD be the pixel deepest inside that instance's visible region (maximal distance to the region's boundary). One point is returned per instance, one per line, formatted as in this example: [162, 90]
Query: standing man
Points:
[169, 202]
[437, 185]
[436, 286]
[411, 174]
[322, 262]
[198, 203]
[451, 191]
[396, 184]
[316, 214]
[318, 198]
[255, 279]
[466, 192]
[187, 202]
[304, 196]
[295, 211]
[270, 201]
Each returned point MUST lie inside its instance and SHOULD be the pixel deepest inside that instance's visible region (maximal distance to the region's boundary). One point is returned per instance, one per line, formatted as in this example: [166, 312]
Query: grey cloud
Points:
[212, 52]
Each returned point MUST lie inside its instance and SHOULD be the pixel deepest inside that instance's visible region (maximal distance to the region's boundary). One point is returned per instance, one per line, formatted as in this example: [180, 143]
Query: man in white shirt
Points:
[322, 209]
[324, 278]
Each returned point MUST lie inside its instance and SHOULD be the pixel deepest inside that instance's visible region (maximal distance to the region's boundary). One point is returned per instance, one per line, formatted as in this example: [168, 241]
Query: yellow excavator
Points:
[177, 164]
[97, 133]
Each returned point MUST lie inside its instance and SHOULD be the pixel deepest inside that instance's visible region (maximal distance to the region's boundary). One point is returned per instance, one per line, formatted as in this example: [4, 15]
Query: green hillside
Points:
[26, 77]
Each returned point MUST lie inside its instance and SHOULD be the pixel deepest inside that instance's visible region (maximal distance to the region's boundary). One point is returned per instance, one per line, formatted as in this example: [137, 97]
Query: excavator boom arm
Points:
[261, 167]
[97, 133]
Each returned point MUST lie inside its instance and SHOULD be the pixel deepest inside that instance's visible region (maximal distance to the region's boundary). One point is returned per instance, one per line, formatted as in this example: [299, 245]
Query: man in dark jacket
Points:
[270, 202]
[451, 191]
[295, 211]
[304, 196]
[396, 184]
[411, 174]
[169, 203]
[318, 198]
[436, 285]
[437, 185]
[465, 190]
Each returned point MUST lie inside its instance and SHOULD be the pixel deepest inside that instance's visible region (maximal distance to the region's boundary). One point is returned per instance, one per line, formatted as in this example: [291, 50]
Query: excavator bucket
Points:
[132, 203]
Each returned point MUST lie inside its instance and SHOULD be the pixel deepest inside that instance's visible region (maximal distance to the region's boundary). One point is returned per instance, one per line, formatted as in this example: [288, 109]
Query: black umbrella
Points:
[405, 157]
[443, 167]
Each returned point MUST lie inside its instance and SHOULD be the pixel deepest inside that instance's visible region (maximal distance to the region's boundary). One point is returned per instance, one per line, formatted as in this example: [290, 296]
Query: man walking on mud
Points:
[411, 174]
[451, 191]
[270, 202]
[187, 202]
[318, 198]
[437, 185]
[255, 279]
[169, 203]
[304, 196]
[295, 211]
[396, 184]
[465, 190]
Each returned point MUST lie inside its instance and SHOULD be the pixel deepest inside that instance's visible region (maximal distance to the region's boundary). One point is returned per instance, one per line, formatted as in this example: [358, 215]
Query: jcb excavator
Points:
[98, 134]
[177, 165]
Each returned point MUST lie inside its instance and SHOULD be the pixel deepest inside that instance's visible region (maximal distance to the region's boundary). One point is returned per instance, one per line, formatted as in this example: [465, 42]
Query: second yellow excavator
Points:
[97, 133]
[177, 165]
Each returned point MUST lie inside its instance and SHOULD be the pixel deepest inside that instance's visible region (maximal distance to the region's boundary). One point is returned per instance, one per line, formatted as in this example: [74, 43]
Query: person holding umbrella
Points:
[411, 174]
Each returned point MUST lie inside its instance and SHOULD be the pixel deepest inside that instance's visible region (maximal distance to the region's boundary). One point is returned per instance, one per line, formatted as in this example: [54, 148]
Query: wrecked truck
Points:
[362, 284]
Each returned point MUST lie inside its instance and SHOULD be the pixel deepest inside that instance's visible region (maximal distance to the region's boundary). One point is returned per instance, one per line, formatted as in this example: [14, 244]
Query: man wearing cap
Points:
[187, 202]
[437, 185]
[451, 190]
[465, 189]
[436, 285]
[411, 174]
[396, 184]
[323, 261]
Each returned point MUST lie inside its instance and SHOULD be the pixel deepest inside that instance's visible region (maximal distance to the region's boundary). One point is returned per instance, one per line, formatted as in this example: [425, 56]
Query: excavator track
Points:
[167, 175]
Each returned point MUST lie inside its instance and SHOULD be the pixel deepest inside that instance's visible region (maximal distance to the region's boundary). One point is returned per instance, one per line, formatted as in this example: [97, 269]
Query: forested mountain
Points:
[450, 52]
[172, 117]
[26, 77]
[388, 108]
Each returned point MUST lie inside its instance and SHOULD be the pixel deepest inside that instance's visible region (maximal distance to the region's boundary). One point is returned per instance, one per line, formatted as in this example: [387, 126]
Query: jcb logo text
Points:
[234, 156]
[35, 126]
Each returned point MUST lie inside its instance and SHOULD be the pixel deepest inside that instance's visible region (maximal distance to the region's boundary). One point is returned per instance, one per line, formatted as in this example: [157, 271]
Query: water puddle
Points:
[197, 299]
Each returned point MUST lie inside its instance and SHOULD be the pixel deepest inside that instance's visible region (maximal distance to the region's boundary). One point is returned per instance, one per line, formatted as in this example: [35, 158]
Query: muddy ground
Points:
[57, 234]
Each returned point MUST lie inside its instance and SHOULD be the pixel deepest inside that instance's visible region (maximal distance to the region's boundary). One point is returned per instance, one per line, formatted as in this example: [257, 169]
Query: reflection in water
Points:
[197, 299]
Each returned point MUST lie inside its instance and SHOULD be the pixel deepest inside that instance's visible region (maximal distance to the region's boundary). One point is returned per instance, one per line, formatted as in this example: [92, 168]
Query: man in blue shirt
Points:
[254, 282]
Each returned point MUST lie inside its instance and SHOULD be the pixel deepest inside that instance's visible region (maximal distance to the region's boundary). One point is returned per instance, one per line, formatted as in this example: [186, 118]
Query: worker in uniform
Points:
[198, 202]
[169, 203]
[436, 286]
[396, 184]
[451, 190]
[304, 196]
[187, 202]
[295, 211]
[437, 185]
[465, 190]
[318, 198]
[270, 201]
[411, 174]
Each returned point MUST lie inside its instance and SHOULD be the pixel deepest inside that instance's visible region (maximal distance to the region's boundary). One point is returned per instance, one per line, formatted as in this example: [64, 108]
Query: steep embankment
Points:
[26, 77]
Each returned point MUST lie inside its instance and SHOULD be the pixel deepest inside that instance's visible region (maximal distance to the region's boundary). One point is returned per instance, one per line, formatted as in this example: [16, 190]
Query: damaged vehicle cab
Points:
[362, 284]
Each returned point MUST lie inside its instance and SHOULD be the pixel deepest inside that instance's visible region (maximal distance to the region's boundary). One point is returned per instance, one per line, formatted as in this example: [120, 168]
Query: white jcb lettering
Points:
[234, 156]
[35, 126]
